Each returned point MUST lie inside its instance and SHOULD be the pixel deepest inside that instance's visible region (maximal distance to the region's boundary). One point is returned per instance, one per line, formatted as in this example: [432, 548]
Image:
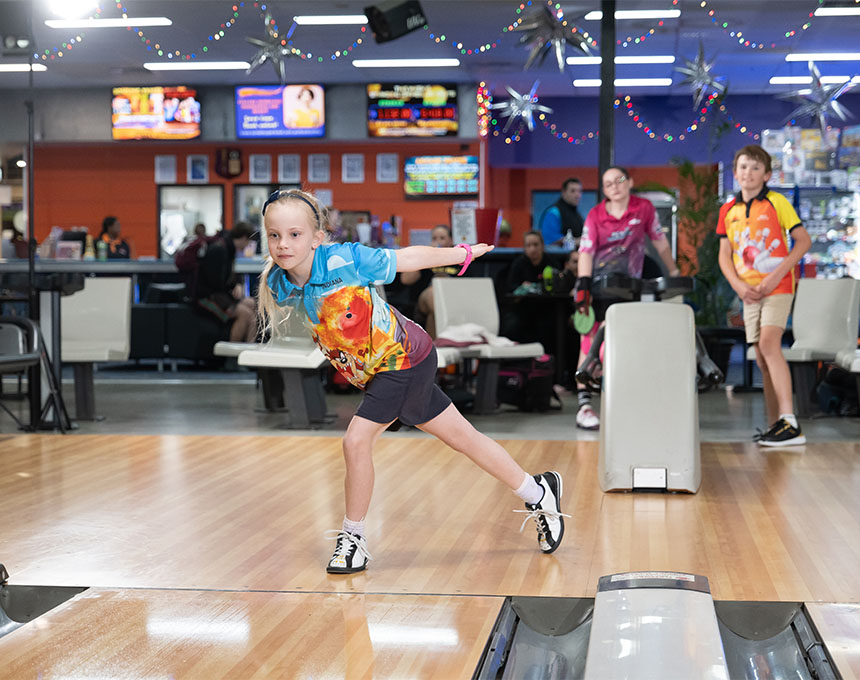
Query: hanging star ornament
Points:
[521, 106]
[700, 78]
[273, 49]
[545, 33]
[819, 101]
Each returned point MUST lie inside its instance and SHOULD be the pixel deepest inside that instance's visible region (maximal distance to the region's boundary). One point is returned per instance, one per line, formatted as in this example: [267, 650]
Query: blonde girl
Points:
[382, 352]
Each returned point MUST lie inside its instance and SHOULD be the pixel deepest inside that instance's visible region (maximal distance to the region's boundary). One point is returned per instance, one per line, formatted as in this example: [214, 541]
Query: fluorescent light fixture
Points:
[108, 23]
[625, 82]
[824, 56]
[403, 63]
[21, 68]
[330, 19]
[71, 9]
[196, 65]
[597, 15]
[832, 80]
[653, 59]
[790, 80]
[837, 11]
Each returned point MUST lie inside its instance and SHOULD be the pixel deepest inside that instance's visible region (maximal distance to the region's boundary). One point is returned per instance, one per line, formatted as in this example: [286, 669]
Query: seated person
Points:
[441, 238]
[528, 267]
[216, 289]
[526, 322]
[117, 249]
[613, 241]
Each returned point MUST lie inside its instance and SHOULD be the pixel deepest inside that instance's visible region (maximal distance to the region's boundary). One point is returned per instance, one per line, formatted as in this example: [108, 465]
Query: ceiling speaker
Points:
[390, 20]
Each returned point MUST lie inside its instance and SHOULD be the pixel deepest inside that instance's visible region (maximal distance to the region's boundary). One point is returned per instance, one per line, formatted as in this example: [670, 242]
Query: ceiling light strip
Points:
[823, 56]
[652, 59]
[625, 82]
[405, 63]
[196, 65]
[21, 68]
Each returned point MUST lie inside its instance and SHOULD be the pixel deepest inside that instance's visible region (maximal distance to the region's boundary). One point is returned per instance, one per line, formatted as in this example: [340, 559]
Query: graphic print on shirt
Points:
[359, 333]
[758, 234]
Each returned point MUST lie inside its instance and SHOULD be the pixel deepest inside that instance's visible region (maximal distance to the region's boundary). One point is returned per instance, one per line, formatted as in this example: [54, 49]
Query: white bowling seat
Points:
[824, 323]
[95, 325]
[458, 301]
[649, 430]
[447, 356]
[290, 371]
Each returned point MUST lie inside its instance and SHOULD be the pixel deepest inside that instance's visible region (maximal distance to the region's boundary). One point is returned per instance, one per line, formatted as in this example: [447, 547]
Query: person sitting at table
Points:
[117, 249]
[524, 322]
[216, 288]
[441, 238]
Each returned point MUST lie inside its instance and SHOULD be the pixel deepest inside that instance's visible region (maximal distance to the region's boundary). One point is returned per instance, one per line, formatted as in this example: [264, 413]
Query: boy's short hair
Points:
[756, 153]
[534, 232]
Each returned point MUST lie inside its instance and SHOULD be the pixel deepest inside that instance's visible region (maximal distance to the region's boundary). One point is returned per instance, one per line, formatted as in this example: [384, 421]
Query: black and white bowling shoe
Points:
[350, 554]
[547, 512]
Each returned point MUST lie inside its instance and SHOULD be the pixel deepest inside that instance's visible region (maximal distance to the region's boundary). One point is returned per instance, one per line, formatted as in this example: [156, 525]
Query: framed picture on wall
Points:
[260, 170]
[165, 169]
[289, 168]
[352, 168]
[197, 169]
[387, 165]
[319, 168]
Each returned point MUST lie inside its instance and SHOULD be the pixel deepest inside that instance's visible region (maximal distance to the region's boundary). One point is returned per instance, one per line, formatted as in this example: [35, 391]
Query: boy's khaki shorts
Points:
[771, 311]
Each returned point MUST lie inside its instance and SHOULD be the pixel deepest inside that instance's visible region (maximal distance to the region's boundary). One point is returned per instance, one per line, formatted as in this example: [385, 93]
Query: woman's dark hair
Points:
[108, 222]
[623, 171]
[445, 227]
[533, 232]
[308, 90]
[241, 230]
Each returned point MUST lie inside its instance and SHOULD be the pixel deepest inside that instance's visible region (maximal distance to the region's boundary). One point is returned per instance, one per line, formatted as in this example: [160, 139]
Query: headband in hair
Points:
[279, 193]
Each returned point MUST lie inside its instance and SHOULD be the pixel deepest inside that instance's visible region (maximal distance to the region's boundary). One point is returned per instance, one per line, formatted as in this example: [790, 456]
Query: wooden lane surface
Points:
[145, 634]
[238, 513]
[839, 627]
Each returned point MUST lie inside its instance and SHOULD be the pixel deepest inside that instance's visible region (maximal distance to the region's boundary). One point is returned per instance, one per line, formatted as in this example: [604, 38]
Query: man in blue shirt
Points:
[563, 216]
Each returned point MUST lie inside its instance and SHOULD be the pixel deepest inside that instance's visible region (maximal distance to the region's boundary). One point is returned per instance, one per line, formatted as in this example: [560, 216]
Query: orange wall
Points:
[79, 184]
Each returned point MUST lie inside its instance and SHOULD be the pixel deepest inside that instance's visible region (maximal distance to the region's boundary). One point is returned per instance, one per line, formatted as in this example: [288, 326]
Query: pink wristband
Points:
[468, 259]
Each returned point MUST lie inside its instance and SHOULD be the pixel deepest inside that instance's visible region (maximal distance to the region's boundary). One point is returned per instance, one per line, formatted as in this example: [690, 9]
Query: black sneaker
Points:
[350, 553]
[547, 513]
[759, 433]
[782, 433]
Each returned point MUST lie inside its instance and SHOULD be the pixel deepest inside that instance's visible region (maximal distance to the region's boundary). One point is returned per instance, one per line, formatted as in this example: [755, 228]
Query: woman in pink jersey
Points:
[613, 241]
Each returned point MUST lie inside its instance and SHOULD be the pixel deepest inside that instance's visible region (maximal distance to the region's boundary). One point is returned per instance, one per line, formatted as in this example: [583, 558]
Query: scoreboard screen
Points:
[441, 176]
[411, 110]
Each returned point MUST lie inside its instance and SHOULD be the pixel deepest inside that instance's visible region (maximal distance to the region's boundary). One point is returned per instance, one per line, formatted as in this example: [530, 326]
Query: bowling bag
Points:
[528, 384]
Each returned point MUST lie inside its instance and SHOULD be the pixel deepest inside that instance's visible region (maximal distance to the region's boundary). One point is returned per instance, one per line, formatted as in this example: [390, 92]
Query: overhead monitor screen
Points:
[155, 113]
[277, 111]
[411, 110]
[429, 176]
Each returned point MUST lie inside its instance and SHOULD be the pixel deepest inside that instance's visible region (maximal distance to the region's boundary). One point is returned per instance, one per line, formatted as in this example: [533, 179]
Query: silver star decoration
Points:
[700, 78]
[521, 106]
[819, 101]
[270, 50]
[545, 33]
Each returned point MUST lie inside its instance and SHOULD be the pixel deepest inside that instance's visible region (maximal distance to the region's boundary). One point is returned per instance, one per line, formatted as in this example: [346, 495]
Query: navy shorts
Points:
[410, 394]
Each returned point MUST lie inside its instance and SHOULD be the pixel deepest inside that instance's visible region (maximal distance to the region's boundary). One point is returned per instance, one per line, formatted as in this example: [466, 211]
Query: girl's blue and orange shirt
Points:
[358, 331]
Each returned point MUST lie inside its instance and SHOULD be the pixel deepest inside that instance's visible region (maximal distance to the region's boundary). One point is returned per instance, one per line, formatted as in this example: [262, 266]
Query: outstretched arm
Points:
[413, 258]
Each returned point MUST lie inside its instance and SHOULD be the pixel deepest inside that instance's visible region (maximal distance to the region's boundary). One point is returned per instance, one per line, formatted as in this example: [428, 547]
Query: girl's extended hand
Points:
[481, 249]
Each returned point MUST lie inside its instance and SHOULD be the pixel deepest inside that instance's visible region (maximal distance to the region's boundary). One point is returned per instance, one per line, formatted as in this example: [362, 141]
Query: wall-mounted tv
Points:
[280, 111]
[155, 113]
[429, 176]
[411, 110]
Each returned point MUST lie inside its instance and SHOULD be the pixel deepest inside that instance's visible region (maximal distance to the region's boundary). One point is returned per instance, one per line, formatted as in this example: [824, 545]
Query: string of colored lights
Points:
[630, 41]
[63, 49]
[555, 7]
[552, 128]
[485, 99]
[745, 41]
[440, 39]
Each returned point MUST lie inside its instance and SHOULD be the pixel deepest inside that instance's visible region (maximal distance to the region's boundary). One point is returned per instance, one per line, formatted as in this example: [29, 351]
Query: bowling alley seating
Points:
[824, 324]
[95, 326]
[459, 301]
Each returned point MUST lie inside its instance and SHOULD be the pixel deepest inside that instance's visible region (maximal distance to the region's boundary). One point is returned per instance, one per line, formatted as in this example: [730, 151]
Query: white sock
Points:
[353, 527]
[530, 491]
[789, 418]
